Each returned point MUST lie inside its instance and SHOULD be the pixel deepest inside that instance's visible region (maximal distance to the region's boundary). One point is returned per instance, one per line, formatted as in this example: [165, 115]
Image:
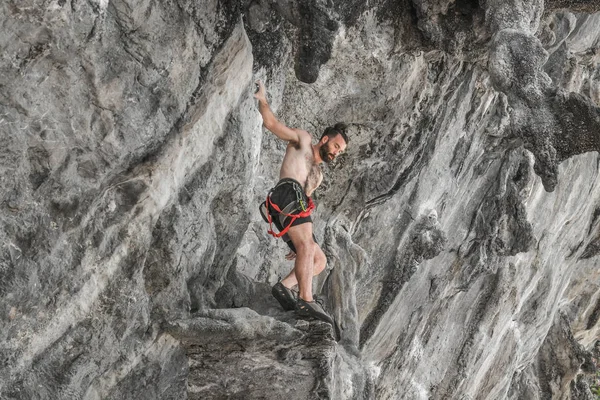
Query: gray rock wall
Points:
[461, 227]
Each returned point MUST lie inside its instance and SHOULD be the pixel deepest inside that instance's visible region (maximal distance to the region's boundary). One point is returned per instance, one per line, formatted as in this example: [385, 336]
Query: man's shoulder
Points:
[303, 139]
[303, 135]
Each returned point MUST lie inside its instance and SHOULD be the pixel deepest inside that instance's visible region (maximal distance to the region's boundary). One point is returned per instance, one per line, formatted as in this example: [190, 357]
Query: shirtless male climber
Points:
[289, 206]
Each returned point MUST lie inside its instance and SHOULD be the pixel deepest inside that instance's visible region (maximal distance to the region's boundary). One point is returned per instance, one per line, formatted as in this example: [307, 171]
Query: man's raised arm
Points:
[270, 121]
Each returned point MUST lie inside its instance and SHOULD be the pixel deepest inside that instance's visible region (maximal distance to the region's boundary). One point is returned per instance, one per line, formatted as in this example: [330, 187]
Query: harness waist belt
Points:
[304, 208]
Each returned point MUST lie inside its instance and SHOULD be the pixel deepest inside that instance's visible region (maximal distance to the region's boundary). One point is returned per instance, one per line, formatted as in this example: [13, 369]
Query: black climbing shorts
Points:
[286, 194]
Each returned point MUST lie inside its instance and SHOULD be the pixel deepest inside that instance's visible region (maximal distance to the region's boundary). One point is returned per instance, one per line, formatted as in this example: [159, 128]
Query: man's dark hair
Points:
[332, 131]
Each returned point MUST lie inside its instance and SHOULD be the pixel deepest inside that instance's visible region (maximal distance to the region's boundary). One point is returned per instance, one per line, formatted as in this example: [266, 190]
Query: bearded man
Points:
[289, 205]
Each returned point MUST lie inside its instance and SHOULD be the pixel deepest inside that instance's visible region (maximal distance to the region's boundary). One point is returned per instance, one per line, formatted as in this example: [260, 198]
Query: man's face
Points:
[331, 147]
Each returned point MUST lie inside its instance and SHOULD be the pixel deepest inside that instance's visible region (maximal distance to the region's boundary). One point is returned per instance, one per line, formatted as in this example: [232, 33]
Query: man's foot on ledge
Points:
[312, 309]
[284, 296]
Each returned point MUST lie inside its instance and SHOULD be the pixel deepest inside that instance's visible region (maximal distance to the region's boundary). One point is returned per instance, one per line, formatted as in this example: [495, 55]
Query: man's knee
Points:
[305, 245]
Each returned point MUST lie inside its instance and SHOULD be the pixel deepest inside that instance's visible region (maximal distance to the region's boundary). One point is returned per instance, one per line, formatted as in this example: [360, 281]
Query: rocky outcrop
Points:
[461, 227]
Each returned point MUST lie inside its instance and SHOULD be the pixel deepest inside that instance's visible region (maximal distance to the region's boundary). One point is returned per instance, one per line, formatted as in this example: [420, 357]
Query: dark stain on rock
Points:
[423, 146]
[459, 155]
[579, 124]
[595, 216]
[135, 258]
[61, 209]
[33, 242]
[128, 195]
[316, 36]
[456, 30]
[466, 7]
[39, 161]
[584, 6]
[37, 50]
[7, 270]
[575, 250]
[560, 356]
[196, 184]
[350, 10]
[592, 249]
[403, 16]
[160, 257]
[594, 317]
[97, 238]
[270, 45]
[500, 223]
[237, 291]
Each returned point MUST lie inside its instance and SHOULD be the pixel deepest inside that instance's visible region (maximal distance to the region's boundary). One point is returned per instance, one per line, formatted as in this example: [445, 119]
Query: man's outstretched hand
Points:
[270, 121]
[290, 256]
[261, 93]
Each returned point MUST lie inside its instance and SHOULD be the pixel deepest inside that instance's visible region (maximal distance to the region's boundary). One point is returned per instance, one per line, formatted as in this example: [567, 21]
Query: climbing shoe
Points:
[312, 309]
[284, 296]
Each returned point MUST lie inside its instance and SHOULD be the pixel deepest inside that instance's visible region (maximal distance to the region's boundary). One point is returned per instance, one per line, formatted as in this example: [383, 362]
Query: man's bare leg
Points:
[302, 239]
[304, 269]
[319, 263]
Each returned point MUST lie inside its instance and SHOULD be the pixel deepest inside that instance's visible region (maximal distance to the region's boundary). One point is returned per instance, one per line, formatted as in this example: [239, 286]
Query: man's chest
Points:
[314, 178]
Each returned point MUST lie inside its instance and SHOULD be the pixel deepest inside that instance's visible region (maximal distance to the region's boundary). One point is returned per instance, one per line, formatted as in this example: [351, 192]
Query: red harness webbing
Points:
[304, 213]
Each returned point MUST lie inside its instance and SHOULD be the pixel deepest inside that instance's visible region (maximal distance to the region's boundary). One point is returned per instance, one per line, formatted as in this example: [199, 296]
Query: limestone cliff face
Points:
[461, 227]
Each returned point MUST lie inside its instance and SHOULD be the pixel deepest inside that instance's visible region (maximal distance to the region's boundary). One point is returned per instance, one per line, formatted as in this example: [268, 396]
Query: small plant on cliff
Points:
[595, 380]
[595, 385]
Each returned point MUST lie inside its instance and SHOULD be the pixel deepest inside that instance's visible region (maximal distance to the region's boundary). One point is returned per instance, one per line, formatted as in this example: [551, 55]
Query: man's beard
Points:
[324, 153]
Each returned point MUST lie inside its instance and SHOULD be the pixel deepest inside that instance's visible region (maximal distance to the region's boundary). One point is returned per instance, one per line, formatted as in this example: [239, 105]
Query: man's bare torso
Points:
[299, 164]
